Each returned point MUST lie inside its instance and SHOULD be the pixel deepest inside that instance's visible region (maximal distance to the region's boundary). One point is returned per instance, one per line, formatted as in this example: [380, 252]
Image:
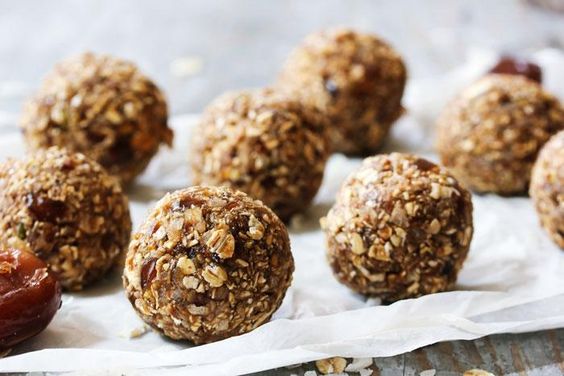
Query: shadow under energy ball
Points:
[103, 107]
[356, 79]
[265, 144]
[401, 228]
[207, 264]
[67, 210]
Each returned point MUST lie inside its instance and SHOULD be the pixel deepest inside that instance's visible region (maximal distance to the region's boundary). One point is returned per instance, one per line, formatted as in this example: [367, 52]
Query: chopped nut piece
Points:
[357, 244]
[186, 265]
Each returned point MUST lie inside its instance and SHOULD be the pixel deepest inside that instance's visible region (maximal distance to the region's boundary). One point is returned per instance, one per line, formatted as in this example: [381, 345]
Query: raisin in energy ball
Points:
[400, 228]
[208, 263]
[264, 144]
[67, 210]
[356, 79]
[547, 187]
[490, 135]
[103, 107]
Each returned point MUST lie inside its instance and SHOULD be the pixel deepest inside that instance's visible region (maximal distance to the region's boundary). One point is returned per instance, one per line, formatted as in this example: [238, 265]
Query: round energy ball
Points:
[356, 79]
[208, 263]
[400, 228]
[547, 187]
[103, 107]
[490, 135]
[67, 210]
[264, 144]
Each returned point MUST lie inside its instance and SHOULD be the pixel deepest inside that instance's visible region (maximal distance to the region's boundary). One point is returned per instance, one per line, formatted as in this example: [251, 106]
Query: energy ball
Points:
[66, 209]
[490, 135]
[207, 264]
[400, 228]
[264, 144]
[103, 107]
[356, 79]
[547, 187]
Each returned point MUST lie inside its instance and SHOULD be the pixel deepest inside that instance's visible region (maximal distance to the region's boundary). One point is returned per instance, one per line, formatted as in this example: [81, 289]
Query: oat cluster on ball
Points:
[547, 187]
[356, 79]
[103, 107]
[208, 263]
[67, 210]
[400, 228]
[264, 144]
[490, 135]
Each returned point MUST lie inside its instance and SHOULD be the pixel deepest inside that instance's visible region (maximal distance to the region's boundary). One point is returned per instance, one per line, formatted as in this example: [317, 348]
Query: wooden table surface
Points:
[197, 49]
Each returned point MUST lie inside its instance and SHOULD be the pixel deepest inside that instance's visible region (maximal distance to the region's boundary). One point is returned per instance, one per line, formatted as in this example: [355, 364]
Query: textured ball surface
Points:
[547, 187]
[103, 107]
[67, 210]
[401, 227]
[264, 144]
[356, 79]
[490, 135]
[207, 264]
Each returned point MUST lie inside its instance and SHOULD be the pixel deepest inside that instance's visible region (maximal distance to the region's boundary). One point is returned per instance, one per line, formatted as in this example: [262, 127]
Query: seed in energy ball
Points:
[29, 296]
[207, 264]
[400, 228]
[547, 187]
[518, 66]
[490, 135]
[355, 78]
[103, 107]
[264, 144]
[67, 210]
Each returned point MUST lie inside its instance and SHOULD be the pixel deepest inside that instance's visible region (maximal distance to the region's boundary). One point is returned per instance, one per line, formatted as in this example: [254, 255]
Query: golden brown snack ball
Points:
[103, 107]
[490, 135]
[547, 187]
[208, 263]
[357, 79]
[264, 144]
[66, 209]
[400, 228]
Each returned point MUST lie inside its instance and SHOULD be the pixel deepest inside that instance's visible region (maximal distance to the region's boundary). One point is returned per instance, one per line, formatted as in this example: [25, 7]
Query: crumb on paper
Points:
[331, 365]
[477, 372]
[186, 66]
[428, 372]
[135, 332]
[359, 364]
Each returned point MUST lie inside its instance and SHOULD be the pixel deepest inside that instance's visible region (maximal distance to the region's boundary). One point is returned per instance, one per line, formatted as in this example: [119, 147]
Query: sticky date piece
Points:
[517, 66]
[29, 296]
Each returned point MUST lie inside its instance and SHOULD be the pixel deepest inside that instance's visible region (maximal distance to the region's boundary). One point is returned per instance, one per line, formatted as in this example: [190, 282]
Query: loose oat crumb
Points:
[477, 372]
[331, 365]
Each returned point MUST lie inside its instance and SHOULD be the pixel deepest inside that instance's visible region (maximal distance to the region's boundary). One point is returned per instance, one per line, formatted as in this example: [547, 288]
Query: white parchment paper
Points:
[512, 281]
